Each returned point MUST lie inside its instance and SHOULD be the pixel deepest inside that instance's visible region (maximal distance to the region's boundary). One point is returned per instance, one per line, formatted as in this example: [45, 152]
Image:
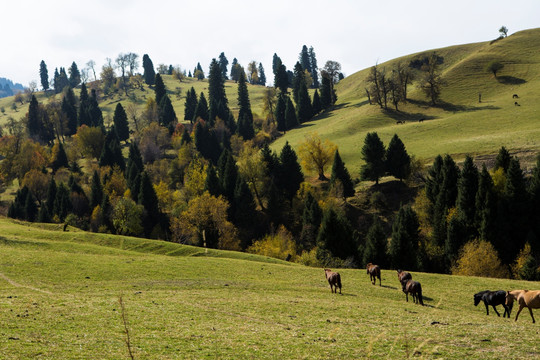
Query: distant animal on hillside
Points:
[421, 120]
[403, 277]
[334, 279]
[374, 272]
[400, 122]
[525, 298]
[516, 103]
[515, 96]
[415, 289]
[493, 298]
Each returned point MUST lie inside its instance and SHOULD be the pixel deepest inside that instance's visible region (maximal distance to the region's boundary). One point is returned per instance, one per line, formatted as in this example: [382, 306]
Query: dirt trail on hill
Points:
[16, 284]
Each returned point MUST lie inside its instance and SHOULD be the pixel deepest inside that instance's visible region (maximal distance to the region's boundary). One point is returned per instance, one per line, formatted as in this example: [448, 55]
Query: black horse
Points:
[493, 298]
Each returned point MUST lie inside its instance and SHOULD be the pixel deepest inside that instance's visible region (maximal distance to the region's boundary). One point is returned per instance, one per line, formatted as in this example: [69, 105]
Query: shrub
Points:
[280, 245]
[525, 267]
[479, 258]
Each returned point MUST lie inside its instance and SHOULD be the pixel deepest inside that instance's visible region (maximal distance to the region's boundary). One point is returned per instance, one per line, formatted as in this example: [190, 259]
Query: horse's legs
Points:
[496, 312]
[517, 314]
[530, 310]
[407, 296]
[380, 280]
[505, 311]
[487, 308]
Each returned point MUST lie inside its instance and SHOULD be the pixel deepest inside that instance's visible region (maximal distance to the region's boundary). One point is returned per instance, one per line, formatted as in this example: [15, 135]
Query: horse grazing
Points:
[334, 279]
[415, 289]
[493, 298]
[374, 272]
[403, 276]
[525, 298]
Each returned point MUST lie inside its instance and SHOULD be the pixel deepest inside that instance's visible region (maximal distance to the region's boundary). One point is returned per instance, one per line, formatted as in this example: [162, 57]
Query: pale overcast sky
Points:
[356, 33]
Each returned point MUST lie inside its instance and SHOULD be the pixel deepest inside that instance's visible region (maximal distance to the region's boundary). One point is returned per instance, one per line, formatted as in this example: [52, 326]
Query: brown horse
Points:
[374, 272]
[334, 279]
[415, 289]
[403, 276]
[525, 298]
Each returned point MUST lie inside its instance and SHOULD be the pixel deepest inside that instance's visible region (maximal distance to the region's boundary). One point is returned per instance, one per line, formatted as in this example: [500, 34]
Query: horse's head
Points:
[477, 298]
[509, 301]
[368, 266]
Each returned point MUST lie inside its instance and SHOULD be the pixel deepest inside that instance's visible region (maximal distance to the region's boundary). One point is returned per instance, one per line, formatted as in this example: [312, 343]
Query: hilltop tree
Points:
[245, 116]
[74, 75]
[190, 105]
[223, 62]
[159, 89]
[235, 68]
[69, 109]
[262, 75]
[281, 79]
[84, 107]
[252, 73]
[398, 162]
[218, 104]
[149, 74]
[120, 121]
[44, 75]
[299, 78]
[373, 153]
[503, 31]
[341, 174]
[494, 66]
[314, 68]
[304, 59]
[326, 93]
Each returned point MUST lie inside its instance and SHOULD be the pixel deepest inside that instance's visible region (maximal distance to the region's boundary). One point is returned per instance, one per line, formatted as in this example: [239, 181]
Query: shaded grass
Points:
[209, 307]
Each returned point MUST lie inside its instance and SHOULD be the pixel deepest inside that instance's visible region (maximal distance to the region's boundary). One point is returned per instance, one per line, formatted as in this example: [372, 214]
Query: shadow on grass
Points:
[510, 80]
[389, 287]
[452, 107]
[329, 112]
[406, 116]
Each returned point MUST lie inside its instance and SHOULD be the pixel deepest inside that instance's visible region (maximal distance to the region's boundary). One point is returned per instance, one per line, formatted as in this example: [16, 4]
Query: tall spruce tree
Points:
[316, 105]
[341, 175]
[276, 62]
[159, 89]
[336, 236]
[62, 202]
[290, 174]
[299, 78]
[84, 107]
[167, 115]
[279, 112]
[148, 199]
[96, 115]
[314, 68]
[262, 75]
[281, 79]
[326, 93]
[190, 105]
[96, 192]
[33, 123]
[211, 183]
[375, 248]
[235, 67]
[217, 98]
[503, 159]
[311, 220]
[245, 116]
[121, 125]
[373, 153]
[74, 75]
[304, 59]
[69, 109]
[149, 74]
[304, 110]
[201, 110]
[44, 75]
[291, 121]
[398, 162]
[59, 158]
[403, 249]
[223, 62]
[467, 190]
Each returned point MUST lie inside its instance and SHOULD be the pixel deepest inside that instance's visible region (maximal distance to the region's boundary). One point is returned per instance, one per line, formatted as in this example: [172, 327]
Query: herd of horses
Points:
[525, 298]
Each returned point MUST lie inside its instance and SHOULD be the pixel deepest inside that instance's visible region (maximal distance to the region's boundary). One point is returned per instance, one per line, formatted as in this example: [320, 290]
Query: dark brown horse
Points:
[493, 298]
[334, 279]
[403, 276]
[415, 289]
[374, 272]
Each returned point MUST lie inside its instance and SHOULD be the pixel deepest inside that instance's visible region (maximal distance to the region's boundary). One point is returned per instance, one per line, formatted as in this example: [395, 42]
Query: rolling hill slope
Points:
[458, 126]
[60, 296]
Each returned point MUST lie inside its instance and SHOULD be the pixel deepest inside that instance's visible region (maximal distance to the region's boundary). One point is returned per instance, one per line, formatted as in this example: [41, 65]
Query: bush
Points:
[280, 245]
[479, 258]
[525, 267]
[309, 258]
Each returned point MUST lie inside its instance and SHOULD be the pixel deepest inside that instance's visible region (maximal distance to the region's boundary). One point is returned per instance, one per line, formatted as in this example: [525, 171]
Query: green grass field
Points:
[461, 125]
[60, 295]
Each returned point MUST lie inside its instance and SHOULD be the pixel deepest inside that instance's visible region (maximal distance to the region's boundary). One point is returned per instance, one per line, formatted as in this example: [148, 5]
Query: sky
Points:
[355, 33]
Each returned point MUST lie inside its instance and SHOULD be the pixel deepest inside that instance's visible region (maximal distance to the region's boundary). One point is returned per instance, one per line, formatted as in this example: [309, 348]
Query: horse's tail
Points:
[339, 281]
[420, 294]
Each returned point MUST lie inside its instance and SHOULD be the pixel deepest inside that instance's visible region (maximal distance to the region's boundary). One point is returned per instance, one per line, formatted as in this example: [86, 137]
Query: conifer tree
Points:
[290, 174]
[96, 116]
[217, 99]
[43, 215]
[84, 107]
[69, 108]
[159, 89]
[245, 127]
[211, 183]
[316, 106]
[279, 113]
[304, 59]
[51, 196]
[405, 237]
[375, 249]
[503, 159]
[201, 110]
[148, 199]
[244, 209]
[398, 162]
[341, 174]
[44, 75]
[228, 175]
[121, 126]
[60, 158]
[304, 110]
[262, 75]
[467, 190]
[190, 105]
[434, 179]
[111, 153]
[167, 115]
[281, 79]
[30, 208]
[276, 62]
[326, 93]
[245, 116]
[62, 202]
[33, 123]
[299, 78]
[235, 70]
[457, 236]
[311, 220]
[291, 121]
[314, 68]
[373, 153]
[223, 62]
[96, 194]
[74, 75]
[149, 74]
[336, 236]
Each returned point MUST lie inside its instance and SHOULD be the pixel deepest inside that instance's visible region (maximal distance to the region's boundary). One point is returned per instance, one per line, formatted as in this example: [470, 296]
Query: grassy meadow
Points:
[60, 299]
[460, 124]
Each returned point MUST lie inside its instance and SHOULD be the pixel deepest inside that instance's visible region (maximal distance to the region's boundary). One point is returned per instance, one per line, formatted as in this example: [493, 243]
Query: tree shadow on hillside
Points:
[446, 106]
[407, 116]
[329, 112]
[510, 80]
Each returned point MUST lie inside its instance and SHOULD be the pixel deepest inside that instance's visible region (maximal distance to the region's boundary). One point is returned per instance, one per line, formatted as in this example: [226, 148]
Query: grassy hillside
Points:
[60, 294]
[461, 124]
